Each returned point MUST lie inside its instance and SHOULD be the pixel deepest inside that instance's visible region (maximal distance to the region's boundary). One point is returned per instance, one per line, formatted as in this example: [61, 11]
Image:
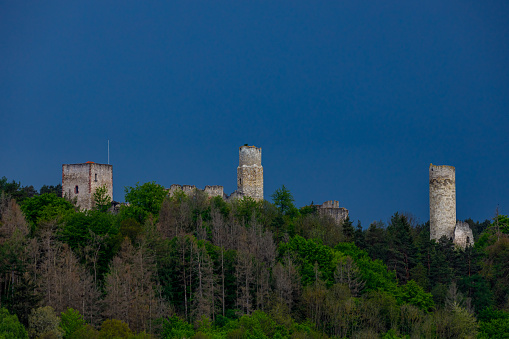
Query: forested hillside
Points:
[200, 267]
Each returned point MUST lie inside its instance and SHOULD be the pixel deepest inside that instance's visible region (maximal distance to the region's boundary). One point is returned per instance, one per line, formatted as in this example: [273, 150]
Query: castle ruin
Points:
[211, 191]
[80, 181]
[442, 207]
[249, 178]
[332, 209]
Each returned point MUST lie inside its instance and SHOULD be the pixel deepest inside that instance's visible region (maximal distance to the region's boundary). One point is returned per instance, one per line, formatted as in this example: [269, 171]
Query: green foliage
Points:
[85, 332]
[401, 254]
[71, 321]
[245, 208]
[175, 327]
[413, 294]
[114, 329]
[283, 199]
[16, 191]
[44, 321]
[494, 329]
[478, 289]
[10, 327]
[56, 190]
[307, 210]
[130, 228]
[348, 230]
[374, 272]
[102, 201]
[132, 212]
[45, 207]
[493, 323]
[79, 227]
[309, 253]
[221, 205]
[148, 196]
[496, 269]
[260, 325]
[353, 283]
[94, 235]
[501, 223]
[376, 241]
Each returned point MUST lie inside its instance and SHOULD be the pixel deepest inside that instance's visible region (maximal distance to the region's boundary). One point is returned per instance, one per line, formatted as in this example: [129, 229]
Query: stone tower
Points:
[81, 180]
[442, 201]
[250, 172]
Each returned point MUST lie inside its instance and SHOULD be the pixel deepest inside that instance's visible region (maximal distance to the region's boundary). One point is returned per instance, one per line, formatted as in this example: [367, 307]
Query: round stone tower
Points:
[442, 201]
[250, 172]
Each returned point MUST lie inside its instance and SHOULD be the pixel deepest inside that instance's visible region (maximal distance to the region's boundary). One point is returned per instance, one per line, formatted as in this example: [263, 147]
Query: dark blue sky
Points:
[349, 100]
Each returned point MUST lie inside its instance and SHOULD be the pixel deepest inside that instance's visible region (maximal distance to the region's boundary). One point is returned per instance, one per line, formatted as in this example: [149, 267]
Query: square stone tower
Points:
[81, 180]
[250, 172]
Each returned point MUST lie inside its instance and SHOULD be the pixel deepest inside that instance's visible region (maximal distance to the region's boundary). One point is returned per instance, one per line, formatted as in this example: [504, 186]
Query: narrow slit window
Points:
[96, 177]
[76, 190]
[468, 240]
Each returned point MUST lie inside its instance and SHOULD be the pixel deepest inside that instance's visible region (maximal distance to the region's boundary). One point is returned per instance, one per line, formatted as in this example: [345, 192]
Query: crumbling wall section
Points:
[463, 235]
[214, 191]
[210, 190]
[332, 209]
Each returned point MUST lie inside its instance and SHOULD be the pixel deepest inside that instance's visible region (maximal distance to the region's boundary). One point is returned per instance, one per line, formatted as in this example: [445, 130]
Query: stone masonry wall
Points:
[81, 180]
[250, 172]
[211, 191]
[214, 191]
[463, 235]
[101, 175]
[249, 178]
[331, 208]
[442, 201]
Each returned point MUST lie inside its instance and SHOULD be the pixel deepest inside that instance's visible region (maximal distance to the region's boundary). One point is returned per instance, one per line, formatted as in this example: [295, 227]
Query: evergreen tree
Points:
[402, 252]
[348, 230]
[359, 236]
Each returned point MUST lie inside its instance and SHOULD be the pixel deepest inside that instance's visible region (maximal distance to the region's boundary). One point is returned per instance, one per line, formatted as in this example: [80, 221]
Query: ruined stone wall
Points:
[79, 181]
[250, 172]
[338, 214]
[234, 195]
[463, 235]
[442, 201]
[187, 189]
[214, 191]
[332, 209]
[330, 204]
[210, 190]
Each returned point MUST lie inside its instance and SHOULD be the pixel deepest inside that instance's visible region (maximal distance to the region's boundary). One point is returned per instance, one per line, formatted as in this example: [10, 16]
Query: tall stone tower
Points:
[81, 180]
[442, 201]
[250, 172]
